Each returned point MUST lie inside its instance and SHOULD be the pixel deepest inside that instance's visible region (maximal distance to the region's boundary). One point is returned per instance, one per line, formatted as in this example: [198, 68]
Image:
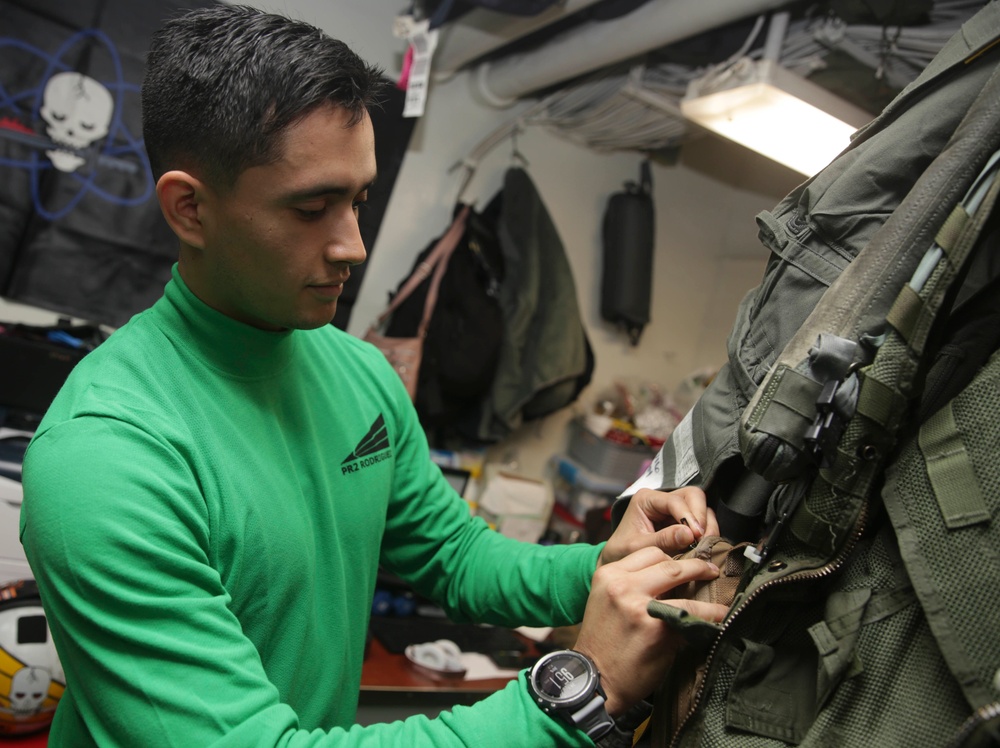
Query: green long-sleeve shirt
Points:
[206, 505]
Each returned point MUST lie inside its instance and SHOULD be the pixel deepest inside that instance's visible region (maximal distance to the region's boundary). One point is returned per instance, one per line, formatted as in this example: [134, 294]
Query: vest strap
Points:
[951, 472]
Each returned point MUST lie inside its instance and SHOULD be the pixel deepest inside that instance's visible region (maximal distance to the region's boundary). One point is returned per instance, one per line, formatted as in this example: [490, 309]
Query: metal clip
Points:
[789, 502]
[759, 553]
[822, 436]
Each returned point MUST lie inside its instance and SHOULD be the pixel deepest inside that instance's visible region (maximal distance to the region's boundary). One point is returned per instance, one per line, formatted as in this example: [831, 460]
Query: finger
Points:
[686, 505]
[658, 579]
[644, 558]
[675, 538]
[694, 509]
[712, 524]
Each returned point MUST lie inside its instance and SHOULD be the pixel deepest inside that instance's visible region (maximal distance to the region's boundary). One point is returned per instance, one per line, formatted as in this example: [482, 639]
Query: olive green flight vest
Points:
[869, 610]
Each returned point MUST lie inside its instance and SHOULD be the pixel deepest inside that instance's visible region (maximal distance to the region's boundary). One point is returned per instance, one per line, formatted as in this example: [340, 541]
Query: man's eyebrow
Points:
[322, 190]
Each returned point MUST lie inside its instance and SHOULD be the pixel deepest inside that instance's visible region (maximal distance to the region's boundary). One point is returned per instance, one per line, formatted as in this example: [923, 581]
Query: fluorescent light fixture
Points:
[773, 111]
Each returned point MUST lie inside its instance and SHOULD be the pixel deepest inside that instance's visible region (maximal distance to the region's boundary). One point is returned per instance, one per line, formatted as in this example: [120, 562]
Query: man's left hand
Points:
[668, 520]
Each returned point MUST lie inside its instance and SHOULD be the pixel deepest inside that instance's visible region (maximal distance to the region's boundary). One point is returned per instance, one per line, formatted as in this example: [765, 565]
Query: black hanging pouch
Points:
[627, 276]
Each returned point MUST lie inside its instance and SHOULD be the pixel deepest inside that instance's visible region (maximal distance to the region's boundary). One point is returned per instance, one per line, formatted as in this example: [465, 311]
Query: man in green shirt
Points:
[208, 500]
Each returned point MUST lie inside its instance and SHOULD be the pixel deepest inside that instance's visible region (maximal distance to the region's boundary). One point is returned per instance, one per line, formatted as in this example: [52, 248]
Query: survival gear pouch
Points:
[690, 665]
[862, 617]
[627, 271]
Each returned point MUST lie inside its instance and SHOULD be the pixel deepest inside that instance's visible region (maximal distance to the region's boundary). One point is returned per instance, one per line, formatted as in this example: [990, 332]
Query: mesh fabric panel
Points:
[962, 565]
[904, 694]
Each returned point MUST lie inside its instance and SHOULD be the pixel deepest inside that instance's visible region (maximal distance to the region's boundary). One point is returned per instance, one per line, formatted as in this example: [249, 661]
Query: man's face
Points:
[278, 246]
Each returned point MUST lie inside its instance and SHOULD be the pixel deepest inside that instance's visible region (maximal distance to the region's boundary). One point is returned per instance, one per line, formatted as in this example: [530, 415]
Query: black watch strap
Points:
[593, 718]
[623, 733]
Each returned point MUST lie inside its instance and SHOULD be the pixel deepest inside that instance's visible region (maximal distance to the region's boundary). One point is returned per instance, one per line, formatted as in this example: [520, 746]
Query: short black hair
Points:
[223, 83]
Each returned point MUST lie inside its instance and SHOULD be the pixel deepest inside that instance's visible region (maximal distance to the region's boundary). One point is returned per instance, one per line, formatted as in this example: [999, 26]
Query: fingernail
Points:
[713, 567]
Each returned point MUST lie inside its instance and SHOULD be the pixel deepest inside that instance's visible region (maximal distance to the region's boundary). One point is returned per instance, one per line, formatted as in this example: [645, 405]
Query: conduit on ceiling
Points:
[594, 45]
[481, 31]
[638, 108]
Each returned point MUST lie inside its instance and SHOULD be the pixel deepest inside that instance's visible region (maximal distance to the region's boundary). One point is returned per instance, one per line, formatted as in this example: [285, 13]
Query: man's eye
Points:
[308, 214]
[358, 205]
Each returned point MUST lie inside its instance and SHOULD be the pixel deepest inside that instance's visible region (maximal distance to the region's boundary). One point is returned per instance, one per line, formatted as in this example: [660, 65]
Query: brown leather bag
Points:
[405, 353]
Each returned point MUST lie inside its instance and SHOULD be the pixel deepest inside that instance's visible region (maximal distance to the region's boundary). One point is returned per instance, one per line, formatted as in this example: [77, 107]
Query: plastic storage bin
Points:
[578, 490]
[619, 463]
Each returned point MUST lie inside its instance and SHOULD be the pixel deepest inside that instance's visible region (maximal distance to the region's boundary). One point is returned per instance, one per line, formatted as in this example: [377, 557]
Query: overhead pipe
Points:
[482, 30]
[594, 45]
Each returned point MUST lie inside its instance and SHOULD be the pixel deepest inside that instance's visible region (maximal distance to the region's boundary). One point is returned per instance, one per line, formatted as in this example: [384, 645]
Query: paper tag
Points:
[423, 44]
[402, 26]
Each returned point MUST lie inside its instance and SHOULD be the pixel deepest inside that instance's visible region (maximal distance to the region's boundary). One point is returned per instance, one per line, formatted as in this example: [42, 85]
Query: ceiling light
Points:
[774, 111]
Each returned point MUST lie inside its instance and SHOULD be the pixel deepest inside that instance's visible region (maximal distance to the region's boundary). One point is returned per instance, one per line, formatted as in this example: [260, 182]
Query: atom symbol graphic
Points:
[121, 150]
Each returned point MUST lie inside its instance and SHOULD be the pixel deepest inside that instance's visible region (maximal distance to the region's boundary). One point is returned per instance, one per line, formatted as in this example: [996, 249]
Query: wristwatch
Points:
[566, 684]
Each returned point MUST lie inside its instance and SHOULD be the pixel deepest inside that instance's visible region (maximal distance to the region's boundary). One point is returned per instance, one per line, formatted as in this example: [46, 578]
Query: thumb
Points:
[674, 538]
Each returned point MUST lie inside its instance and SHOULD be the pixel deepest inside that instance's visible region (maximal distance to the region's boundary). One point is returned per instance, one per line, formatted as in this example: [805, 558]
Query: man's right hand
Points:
[632, 649]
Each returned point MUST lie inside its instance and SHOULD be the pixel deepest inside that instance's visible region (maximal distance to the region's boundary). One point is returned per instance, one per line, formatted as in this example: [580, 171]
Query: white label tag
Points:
[652, 478]
[687, 463]
[423, 44]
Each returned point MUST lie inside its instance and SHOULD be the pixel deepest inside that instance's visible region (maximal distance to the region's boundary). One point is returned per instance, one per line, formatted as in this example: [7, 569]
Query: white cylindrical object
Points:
[776, 36]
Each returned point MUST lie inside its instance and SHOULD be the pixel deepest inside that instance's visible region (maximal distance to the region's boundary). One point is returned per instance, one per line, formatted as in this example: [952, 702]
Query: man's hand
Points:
[632, 649]
[670, 521]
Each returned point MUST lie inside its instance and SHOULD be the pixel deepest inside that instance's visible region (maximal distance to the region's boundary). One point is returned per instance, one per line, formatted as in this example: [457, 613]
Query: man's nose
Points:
[346, 245]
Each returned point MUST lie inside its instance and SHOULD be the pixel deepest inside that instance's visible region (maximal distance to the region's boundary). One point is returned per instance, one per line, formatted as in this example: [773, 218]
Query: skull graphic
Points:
[28, 689]
[77, 111]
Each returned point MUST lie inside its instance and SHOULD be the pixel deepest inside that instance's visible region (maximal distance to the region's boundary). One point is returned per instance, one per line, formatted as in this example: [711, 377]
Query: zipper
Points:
[978, 718]
[824, 571]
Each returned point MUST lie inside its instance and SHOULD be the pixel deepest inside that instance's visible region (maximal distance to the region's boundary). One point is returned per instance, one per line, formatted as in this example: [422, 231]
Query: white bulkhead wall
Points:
[707, 253]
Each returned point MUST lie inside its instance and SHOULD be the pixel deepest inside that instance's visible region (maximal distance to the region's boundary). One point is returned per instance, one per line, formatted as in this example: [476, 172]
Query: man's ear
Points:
[182, 197]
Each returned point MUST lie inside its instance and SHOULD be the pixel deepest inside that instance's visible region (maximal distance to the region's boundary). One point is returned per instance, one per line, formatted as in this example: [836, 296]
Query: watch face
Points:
[564, 677]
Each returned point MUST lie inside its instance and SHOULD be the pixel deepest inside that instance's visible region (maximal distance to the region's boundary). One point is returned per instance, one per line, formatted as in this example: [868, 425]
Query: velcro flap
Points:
[905, 311]
[951, 472]
[951, 229]
[791, 407]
